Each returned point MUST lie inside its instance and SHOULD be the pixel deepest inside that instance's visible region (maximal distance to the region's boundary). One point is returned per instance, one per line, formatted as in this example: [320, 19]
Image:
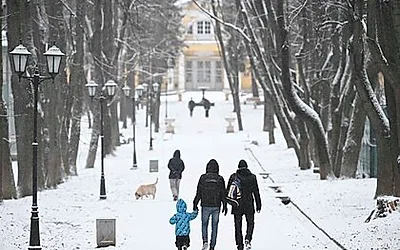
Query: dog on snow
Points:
[146, 190]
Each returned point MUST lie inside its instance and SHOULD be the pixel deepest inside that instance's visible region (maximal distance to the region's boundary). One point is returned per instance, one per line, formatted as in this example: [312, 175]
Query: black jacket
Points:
[250, 192]
[211, 187]
[176, 166]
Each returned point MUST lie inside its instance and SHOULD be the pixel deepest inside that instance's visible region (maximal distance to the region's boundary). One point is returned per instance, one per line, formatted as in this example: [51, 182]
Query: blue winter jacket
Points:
[182, 219]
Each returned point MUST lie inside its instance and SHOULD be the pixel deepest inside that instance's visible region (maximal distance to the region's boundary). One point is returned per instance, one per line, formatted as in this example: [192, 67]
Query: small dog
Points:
[146, 189]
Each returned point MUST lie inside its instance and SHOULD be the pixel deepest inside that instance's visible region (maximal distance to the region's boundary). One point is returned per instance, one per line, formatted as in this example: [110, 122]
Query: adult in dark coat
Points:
[211, 192]
[250, 194]
[176, 167]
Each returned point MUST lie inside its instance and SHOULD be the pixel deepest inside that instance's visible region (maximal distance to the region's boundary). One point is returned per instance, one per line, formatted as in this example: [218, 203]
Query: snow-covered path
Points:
[68, 214]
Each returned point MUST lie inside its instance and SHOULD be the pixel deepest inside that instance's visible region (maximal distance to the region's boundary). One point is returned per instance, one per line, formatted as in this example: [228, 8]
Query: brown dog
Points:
[146, 190]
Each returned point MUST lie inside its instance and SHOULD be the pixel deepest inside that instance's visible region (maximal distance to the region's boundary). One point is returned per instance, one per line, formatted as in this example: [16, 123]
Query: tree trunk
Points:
[267, 83]
[77, 81]
[58, 95]
[389, 36]
[111, 52]
[269, 114]
[96, 49]
[352, 146]
[300, 108]
[18, 24]
[229, 68]
[372, 107]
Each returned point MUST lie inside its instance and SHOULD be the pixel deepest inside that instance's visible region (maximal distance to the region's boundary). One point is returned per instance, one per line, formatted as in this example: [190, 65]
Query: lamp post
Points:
[108, 91]
[20, 57]
[146, 93]
[152, 91]
[139, 92]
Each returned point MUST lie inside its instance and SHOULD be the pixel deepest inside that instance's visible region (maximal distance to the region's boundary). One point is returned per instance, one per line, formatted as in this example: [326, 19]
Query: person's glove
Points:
[195, 208]
[225, 210]
[258, 210]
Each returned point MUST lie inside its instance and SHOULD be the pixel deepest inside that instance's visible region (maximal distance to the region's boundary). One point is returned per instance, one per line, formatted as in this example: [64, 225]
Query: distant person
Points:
[191, 106]
[249, 193]
[211, 192]
[207, 106]
[182, 225]
[176, 167]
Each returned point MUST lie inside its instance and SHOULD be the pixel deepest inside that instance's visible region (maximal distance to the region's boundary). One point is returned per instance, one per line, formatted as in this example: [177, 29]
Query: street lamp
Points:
[107, 92]
[146, 93]
[139, 92]
[20, 57]
[152, 92]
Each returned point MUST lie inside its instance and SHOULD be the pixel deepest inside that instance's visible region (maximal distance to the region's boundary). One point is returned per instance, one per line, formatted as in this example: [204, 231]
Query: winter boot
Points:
[205, 246]
[247, 245]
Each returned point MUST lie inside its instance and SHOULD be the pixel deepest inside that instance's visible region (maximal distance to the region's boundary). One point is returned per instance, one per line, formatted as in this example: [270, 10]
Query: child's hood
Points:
[181, 206]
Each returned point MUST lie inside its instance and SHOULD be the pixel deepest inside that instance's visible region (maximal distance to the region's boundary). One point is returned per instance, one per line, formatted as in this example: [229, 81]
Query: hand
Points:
[195, 208]
[258, 210]
[224, 210]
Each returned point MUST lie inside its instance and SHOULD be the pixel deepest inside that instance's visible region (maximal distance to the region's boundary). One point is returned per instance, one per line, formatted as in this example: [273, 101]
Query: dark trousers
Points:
[182, 241]
[238, 228]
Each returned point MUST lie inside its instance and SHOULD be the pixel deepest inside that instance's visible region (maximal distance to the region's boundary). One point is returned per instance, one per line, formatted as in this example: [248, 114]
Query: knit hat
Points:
[242, 164]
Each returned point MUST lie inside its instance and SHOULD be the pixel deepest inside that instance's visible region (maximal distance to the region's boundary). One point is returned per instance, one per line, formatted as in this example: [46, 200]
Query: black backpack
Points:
[234, 192]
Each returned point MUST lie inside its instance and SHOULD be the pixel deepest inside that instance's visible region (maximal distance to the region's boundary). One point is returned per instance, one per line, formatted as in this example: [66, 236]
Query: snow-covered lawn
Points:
[68, 214]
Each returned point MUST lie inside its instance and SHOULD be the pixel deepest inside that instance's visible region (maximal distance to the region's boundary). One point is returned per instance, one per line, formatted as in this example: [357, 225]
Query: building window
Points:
[200, 29]
[190, 29]
[218, 71]
[207, 28]
[200, 72]
[203, 27]
[207, 71]
[188, 72]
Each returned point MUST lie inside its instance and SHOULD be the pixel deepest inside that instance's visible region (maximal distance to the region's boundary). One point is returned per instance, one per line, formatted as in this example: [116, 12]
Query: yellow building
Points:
[200, 63]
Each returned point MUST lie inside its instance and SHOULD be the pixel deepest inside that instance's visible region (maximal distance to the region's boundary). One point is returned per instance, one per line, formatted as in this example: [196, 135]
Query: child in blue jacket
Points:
[182, 224]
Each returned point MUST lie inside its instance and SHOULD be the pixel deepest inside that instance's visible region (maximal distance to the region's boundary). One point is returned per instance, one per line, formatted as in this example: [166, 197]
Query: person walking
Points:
[249, 194]
[176, 167]
[182, 224]
[211, 192]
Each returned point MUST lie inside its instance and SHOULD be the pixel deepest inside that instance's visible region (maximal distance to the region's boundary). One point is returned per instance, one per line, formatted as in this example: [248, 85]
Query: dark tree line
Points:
[103, 40]
[324, 67]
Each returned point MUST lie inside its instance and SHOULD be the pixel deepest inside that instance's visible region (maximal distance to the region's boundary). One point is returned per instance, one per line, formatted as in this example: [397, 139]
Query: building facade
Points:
[200, 63]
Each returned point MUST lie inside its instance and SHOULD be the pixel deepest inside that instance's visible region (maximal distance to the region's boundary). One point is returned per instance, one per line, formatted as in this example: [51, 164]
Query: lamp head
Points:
[53, 58]
[156, 87]
[92, 86]
[20, 57]
[111, 88]
[139, 90]
[145, 87]
[127, 90]
[170, 62]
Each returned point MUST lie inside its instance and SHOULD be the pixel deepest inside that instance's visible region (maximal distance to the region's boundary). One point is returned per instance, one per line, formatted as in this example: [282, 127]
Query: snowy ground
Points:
[68, 214]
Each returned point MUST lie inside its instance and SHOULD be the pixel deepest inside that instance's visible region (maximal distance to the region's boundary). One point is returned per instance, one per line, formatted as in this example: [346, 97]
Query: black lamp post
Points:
[20, 57]
[139, 92]
[152, 92]
[107, 92]
[146, 93]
